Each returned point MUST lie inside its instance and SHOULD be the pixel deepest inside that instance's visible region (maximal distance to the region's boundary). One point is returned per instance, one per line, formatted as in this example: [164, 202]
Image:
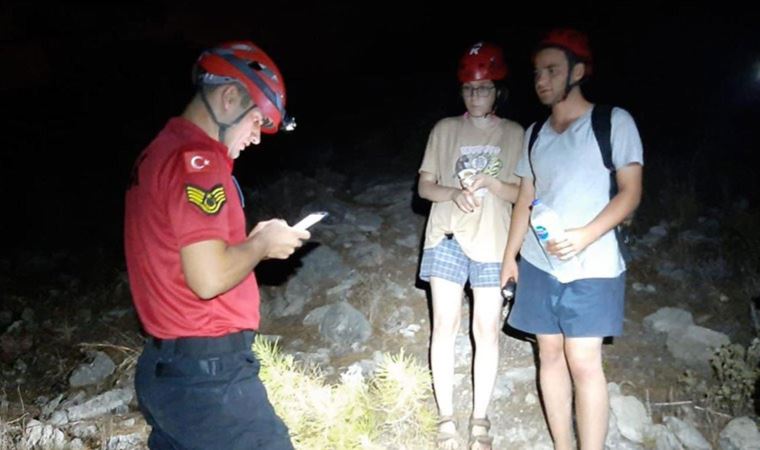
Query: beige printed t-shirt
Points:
[456, 144]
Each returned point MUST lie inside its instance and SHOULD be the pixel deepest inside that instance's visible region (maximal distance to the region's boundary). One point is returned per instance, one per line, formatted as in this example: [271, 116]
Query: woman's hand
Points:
[465, 200]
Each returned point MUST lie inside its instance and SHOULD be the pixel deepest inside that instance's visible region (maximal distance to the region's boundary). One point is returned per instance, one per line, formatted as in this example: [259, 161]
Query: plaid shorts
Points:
[447, 260]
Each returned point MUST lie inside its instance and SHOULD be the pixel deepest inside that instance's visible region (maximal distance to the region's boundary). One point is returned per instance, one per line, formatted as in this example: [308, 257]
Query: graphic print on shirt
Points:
[475, 159]
[209, 202]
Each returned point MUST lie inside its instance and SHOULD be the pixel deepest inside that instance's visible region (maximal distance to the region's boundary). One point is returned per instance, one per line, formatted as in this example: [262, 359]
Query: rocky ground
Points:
[70, 338]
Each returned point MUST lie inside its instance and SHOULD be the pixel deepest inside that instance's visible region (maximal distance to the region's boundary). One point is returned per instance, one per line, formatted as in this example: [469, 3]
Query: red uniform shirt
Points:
[182, 192]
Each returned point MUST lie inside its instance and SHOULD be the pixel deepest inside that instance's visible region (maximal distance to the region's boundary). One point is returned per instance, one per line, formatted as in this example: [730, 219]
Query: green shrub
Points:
[736, 372]
[388, 411]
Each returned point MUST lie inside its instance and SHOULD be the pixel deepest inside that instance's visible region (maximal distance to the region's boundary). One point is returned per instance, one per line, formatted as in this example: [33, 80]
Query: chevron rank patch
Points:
[210, 202]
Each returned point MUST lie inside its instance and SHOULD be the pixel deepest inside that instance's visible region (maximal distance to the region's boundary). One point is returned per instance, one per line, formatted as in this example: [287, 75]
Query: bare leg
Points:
[584, 357]
[556, 389]
[447, 311]
[485, 329]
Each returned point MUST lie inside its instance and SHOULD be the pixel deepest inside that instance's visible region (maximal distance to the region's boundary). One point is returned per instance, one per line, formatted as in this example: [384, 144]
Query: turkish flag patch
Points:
[197, 161]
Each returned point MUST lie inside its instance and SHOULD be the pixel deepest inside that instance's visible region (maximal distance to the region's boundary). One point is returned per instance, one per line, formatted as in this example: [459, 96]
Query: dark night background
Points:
[86, 86]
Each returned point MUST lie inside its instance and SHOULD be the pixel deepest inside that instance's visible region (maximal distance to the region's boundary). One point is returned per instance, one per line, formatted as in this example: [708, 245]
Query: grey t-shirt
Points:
[572, 180]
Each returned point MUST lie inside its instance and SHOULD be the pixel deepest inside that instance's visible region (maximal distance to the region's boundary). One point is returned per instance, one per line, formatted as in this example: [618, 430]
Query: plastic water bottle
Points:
[548, 226]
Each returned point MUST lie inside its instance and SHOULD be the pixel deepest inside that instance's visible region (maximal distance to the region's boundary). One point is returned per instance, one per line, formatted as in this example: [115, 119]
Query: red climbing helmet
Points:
[244, 62]
[573, 41]
[482, 61]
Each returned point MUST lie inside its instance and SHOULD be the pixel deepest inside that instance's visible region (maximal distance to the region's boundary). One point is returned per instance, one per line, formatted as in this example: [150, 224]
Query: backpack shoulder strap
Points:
[601, 123]
[537, 125]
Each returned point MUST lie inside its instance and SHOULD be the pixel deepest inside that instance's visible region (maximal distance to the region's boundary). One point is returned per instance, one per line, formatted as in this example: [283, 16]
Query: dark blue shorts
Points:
[590, 307]
[198, 394]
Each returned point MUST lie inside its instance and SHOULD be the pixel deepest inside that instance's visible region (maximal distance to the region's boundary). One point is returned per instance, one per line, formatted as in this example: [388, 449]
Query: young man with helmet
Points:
[190, 261]
[562, 165]
[466, 173]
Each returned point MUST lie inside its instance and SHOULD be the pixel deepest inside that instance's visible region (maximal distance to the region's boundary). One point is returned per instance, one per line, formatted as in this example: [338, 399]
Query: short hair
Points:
[245, 97]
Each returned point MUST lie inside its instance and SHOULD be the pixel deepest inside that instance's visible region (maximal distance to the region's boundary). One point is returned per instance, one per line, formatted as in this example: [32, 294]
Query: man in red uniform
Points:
[190, 261]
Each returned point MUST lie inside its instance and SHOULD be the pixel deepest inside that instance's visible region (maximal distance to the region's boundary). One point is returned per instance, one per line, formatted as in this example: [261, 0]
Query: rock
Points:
[344, 325]
[101, 404]
[370, 255]
[664, 439]
[631, 417]
[126, 442]
[321, 358]
[322, 266]
[386, 193]
[521, 374]
[741, 433]
[645, 288]
[40, 435]
[398, 319]
[695, 345]
[408, 241]
[49, 406]
[687, 434]
[84, 430]
[297, 295]
[76, 444]
[59, 418]
[503, 387]
[668, 269]
[615, 440]
[364, 220]
[410, 331]
[654, 236]
[668, 319]
[462, 351]
[94, 372]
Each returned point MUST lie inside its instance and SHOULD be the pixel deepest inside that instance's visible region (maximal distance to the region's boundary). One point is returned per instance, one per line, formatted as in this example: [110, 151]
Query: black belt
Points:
[201, 346]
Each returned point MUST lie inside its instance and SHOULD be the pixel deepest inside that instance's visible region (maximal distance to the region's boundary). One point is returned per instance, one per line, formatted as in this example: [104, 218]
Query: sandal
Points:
[483, 441]
[447, 440]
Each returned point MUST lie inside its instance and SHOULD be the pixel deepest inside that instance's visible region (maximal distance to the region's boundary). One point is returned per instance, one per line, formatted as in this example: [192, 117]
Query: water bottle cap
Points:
[535, 202]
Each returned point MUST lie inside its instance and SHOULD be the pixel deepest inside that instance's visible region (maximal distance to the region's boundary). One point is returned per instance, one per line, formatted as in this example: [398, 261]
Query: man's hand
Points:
[508, 270]
[213, 267]
[572, 243]
[277, 239]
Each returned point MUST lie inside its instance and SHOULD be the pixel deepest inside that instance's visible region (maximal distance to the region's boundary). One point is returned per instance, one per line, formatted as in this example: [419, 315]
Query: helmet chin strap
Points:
[223, 127]
[569, 85]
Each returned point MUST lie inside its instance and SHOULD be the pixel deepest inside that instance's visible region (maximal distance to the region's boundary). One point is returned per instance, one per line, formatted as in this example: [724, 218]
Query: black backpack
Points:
[601, 123]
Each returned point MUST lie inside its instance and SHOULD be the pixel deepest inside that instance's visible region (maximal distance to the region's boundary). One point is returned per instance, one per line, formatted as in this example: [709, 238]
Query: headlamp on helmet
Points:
[244, 63]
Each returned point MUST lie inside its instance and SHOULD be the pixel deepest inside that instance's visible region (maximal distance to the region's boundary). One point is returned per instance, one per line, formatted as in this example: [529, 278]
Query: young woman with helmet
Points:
[562, 165]
[190, 261]
[467, 174]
